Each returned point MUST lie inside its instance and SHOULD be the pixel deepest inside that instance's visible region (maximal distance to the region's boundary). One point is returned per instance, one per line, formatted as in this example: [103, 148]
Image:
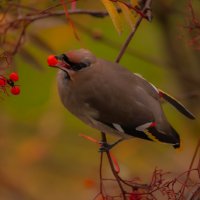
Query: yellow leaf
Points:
[114, 15]
[134, 2]
[130, 18]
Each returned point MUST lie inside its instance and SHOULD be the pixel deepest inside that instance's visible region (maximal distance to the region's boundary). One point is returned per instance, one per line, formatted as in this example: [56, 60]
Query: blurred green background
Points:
[41, 154]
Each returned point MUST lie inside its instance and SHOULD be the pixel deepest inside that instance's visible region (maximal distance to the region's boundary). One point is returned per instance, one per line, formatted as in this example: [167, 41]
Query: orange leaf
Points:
[89, 138]
[129, 17]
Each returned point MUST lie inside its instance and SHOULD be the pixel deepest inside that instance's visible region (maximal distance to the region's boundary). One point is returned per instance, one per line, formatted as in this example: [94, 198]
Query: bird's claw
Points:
[104, 146]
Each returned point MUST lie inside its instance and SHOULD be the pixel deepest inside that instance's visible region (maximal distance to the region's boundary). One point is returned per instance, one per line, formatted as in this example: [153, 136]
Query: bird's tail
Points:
[177, 138]
[169, 136]
[180, 107]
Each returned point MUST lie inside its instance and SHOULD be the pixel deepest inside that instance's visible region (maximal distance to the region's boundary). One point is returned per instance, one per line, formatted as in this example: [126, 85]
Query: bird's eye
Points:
[65, 58]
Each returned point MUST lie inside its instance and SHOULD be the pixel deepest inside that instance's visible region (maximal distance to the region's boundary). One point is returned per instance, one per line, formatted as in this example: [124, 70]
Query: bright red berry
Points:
[2, 81]
[14, 76]
[52, 60]
[15, 90]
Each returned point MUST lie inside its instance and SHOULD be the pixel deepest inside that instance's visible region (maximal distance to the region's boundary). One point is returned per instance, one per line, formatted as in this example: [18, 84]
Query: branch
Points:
[147, 12]
[22, 34]
[100, 174]
[104, 140]
[93, 13]
[23, 21]
[190, 168]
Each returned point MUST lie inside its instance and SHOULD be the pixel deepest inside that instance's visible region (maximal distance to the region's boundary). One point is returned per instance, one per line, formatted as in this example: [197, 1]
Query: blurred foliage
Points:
[42, 156]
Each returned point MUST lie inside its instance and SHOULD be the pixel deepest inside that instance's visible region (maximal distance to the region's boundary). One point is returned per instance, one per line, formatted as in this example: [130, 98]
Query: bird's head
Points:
[72, 61]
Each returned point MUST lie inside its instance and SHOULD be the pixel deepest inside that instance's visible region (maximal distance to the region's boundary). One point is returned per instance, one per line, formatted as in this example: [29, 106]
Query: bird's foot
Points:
[105, 147]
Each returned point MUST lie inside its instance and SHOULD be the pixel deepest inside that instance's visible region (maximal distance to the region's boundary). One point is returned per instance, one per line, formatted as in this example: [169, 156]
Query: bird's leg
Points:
[106, 147]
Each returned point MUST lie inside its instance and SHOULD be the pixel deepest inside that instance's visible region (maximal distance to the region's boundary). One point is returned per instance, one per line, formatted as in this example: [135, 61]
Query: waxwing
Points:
[112, 99]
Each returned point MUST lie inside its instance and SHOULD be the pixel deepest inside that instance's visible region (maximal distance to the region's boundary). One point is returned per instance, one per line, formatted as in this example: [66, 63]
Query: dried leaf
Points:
[115, 17]
[129, 16]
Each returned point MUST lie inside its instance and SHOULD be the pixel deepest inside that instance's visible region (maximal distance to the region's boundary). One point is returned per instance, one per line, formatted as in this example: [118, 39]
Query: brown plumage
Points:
[110, 98]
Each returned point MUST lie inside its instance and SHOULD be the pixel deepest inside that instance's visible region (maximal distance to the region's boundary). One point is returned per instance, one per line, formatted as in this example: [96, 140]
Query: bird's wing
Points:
[128, 117]
[131, 118]
[124, 102]
[121, 102]
[157, 93]
[179, 106]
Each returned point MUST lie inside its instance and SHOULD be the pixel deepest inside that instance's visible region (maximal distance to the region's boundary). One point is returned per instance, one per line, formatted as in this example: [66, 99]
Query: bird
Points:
[112, 99]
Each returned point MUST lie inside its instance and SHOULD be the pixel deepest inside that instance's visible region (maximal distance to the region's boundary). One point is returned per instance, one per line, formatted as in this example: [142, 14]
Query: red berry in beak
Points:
[14, 76]
[52, 60]
[15, 90]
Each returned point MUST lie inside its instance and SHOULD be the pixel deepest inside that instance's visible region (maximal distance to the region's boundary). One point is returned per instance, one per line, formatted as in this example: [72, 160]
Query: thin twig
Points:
[196, 194]
[133, 185]
[100, 173]
[189, 170]
[20, 39]
[93, 13]
[129, 38]
[116, 175]
[125, 45]
[41, 15]
[104, 140]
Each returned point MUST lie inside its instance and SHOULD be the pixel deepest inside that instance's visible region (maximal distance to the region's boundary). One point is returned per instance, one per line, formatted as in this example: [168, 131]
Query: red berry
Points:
[15, 90]
[52, 60]
[2, 81]
[14, 76]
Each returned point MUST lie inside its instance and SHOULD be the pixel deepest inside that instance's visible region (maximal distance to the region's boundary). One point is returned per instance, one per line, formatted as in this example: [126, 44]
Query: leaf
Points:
[130, 18]
[134, 2]
[114, 15]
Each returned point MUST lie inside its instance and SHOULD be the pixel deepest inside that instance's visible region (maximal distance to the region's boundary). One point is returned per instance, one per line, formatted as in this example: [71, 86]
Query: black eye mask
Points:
[74, 66]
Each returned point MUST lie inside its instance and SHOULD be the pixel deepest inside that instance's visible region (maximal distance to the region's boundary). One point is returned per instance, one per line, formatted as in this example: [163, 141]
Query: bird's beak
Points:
[58, 62]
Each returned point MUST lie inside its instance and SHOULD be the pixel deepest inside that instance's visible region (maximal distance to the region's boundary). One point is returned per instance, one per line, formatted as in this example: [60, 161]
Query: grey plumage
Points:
[110, 98]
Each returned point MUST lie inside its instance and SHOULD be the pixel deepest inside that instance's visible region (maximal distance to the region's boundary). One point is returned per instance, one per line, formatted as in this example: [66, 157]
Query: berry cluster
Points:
[10, 82]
